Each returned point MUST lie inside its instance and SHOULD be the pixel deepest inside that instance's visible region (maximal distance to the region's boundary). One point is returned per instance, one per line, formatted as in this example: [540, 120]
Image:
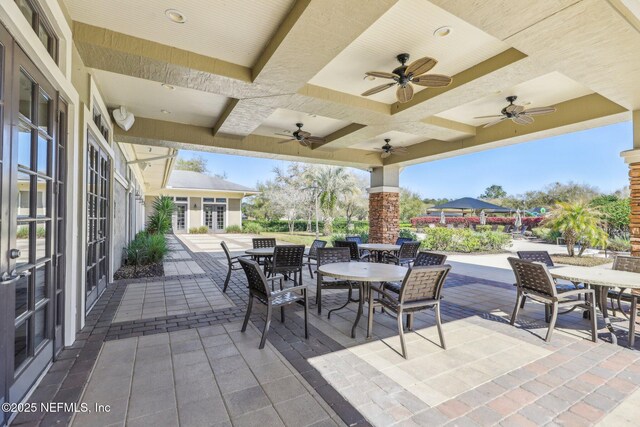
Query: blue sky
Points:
[590, 157]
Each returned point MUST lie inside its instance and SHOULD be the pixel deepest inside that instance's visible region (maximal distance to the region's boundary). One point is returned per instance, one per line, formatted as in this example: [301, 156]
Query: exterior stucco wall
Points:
[234, 213]
[119, 230]
[195, 212]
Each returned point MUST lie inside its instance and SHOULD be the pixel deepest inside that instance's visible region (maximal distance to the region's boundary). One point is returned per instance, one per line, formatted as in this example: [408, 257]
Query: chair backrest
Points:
[313, 250]
[225, 248]
[423, 283]
[533, 276]
[536, 256]
[263, 242]
[429, 258]
[333, 255]
[627, 263]
[288, 256]
[356, 239]
[408, 250]
[401, 240]
[353, 248]
[255, 278]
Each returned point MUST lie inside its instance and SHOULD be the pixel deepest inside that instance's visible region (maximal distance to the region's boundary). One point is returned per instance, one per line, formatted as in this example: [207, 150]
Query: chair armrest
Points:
[295, 288]
[276, 277]
[576, 292]
[383, 292]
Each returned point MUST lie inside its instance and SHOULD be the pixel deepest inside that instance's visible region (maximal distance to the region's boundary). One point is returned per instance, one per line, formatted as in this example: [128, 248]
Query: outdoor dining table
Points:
[260, 252]
[379, 249]
[601, 279]
[364, 273]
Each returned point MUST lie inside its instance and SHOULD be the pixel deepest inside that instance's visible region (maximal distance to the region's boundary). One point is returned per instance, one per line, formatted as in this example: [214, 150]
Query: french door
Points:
[31, 286]
[98, 199]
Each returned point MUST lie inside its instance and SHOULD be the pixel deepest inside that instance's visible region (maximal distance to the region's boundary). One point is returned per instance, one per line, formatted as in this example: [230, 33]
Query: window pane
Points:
[41, 283]
[43, 111]
[59, 308]
[208, 200]
[43, 155]
[24, 195]
[20, 344]
[40, 323]
[26, 10]
[221, 200]
[26, 96]
[24, 146]
[41, 197]
[44, 36]
[41, 239]
[22, 242]
[22, 295]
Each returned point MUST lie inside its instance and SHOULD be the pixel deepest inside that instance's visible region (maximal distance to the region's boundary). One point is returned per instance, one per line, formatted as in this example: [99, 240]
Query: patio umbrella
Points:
[471, 204]
[518, 221]
[443, 220]
[483, 218]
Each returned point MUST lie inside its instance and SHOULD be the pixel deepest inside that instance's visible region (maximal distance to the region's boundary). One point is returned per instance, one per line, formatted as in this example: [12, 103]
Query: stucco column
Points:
[632, 158]
[384, 204]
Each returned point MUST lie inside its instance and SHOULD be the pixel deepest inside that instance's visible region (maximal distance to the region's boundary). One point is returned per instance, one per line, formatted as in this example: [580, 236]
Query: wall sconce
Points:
[195, 205]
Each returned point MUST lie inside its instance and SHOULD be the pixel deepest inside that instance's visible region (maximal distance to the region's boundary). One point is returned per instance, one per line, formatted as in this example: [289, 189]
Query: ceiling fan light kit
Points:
[405, 76]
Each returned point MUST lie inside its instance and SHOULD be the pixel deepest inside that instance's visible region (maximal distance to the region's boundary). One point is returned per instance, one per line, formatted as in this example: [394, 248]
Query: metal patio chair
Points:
[401, 240]
[405, 256]
[616, 296]
[262, 242]
[312, 255]
[259, 289]
[287, 260]
[534, 281]
[232, 264]
[421, 289]
[356, 254]
[330, 256]
[423, 259]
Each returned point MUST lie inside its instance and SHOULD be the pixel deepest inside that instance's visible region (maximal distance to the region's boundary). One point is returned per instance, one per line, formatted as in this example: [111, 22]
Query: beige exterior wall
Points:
[234, 212]
[195, 212]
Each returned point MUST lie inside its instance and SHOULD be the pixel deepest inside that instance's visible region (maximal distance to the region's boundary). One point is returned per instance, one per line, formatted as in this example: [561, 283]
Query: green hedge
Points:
[281, 226]
[464, 240]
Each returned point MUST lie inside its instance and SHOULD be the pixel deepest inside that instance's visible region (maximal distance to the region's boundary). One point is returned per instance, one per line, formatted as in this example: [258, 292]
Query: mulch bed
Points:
[583, 261]
[133, 272]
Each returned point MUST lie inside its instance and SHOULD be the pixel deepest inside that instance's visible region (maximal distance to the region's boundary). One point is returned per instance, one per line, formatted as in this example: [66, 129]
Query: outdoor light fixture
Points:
[442, 31]
[175, 16]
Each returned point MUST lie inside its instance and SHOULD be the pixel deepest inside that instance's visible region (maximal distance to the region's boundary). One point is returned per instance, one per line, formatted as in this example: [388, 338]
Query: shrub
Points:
[546, 234]
[203, 229]
[252, 228]
[160, 220]
[407, 233]
[364, 235]
[233, 229]
[468, 220]
[146, 249]
[619, 244]
[463, 240]
[22, 232]
[482, 228]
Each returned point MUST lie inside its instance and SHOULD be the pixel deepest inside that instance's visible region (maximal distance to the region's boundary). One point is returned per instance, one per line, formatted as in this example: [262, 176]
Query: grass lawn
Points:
[297, 238]
[583, 261]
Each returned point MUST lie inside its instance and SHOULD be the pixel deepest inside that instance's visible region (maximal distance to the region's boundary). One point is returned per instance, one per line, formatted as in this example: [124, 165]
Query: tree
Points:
[356, 204]
[333, 182]
[411, 205]
[494, 192]
[579, 223]
[615, 213]
[194, 164]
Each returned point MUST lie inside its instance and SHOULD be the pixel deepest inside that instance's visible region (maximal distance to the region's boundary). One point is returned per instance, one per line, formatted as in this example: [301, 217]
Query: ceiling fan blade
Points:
[378, 89]
[523, 120]
[404, 93]
[372, 154]
[381, 74]
[495, 122]
[304, 134]
[399, 153]
[284, 141]
[420, 66]
[488, 117]
[432, 80]
[315, 140]
[539, 110]
[399, 149]
[282, 134]
[305, 142]
[385, 155]
[514, 109]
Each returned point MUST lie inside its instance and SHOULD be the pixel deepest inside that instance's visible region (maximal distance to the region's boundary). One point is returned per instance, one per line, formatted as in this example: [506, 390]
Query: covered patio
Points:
[377, 88]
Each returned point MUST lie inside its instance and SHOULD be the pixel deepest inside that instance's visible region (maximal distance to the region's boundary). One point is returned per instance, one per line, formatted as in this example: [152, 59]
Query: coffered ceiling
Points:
[244, 70]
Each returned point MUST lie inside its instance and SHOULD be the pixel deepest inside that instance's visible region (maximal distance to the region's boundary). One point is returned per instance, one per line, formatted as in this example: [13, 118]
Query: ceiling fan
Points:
[517, 113]
[387, 149]
[303, 137]
[404, 76]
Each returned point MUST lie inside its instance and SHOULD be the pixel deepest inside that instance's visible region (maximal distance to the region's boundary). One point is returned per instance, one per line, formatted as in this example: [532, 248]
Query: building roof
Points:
[469, 203]
[200, 181]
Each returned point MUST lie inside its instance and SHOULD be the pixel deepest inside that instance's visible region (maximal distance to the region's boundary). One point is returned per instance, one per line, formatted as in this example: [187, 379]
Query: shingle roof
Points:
[201, 181]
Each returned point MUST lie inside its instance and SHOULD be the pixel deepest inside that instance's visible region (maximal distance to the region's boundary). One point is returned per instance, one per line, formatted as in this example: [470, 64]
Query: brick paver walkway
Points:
[491, 374]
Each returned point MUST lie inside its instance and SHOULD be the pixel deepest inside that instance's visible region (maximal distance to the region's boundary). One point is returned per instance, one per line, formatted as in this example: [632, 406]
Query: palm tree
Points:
[332, 182]
[578, 223]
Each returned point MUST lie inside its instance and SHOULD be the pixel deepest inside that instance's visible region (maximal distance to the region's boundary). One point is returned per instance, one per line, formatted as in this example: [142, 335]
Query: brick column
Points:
[384, 217]
[632, 157]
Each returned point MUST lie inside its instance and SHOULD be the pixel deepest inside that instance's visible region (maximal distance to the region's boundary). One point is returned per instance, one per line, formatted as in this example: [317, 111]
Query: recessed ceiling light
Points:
[175, 16]
[165, 111]
[442, 31]
[169, 87]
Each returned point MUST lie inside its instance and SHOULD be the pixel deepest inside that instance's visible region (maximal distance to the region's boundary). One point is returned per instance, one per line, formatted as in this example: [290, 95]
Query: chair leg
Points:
[306, 313]
[410, 321]
[439, 325]
[547, 313]
[319, 297]
[265, 331]
[370, 316]
[594, 319]
[310, 271]
[246, 316]
[226, 280]
[282, 314]
[401, 334]
[552, 321]
[519, 298]
[632, 320]
[524, 299]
